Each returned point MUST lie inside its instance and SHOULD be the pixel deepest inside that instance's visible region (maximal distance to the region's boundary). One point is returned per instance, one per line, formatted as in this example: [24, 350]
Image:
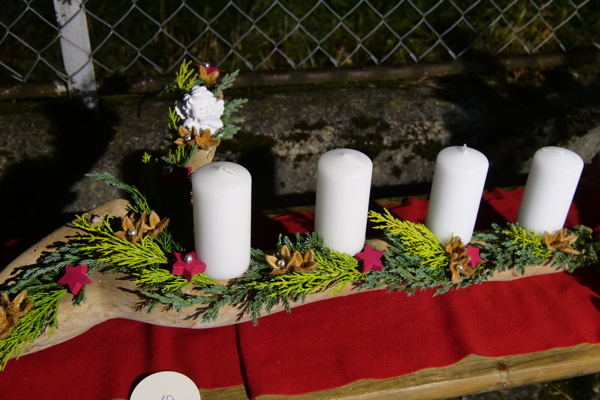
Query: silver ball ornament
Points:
[132, 232]
[281, 263]
[188, 137]
[188, 259]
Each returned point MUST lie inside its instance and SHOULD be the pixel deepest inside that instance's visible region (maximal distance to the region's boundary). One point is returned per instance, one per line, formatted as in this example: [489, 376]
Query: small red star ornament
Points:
[75, 278]
[473, 252]
[370, 259]
[188, 266]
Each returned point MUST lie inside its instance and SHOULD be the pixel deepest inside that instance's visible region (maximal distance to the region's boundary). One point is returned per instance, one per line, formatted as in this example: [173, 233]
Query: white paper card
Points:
[166, 385]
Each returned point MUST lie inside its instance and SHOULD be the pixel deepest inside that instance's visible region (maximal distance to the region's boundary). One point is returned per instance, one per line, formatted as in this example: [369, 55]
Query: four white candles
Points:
[343, 188]
[222, 213]
[456, 191]
[549, 190]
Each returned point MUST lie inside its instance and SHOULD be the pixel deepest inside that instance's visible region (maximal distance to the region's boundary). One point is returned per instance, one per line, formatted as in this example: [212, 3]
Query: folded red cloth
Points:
[107, 362]
[506, 205]
[381, 335]
[497, 206]
[326, 344]
[411, 210]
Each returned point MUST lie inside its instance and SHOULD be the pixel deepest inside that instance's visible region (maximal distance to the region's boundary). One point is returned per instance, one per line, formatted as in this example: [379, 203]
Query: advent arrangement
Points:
[182, 256]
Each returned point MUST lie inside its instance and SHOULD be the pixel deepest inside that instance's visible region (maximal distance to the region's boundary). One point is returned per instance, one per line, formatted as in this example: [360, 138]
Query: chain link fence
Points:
[133, 38]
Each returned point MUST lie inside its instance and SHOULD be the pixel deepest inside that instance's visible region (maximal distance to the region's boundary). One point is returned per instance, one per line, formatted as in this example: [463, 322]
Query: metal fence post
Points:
[76, 50]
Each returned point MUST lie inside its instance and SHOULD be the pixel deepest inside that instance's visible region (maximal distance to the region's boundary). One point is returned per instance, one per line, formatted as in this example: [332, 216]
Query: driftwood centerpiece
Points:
[117, 296]
[122, 260]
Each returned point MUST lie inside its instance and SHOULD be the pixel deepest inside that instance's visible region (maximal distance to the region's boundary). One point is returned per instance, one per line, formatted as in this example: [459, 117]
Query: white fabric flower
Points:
[200, 109]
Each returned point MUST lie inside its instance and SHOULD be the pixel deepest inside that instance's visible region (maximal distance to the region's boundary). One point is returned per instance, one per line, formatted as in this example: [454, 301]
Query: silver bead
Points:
[281, 263]
[188, 137]
[460, 267]
[132, 232]
[188, 259]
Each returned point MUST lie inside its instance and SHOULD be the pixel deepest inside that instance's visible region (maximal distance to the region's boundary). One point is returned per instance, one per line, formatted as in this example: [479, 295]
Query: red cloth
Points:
[381, 335]
[506, 205]
[107, 362]
[326, 344]
[411, 210]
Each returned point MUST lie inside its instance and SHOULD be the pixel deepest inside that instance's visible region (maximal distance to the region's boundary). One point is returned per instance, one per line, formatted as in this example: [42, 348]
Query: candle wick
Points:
[464, 148]
[551, 150]
[225, 169]
[354, 157]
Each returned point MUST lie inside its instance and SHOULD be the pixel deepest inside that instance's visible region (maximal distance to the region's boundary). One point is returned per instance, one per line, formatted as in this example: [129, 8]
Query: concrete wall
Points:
[46, 148]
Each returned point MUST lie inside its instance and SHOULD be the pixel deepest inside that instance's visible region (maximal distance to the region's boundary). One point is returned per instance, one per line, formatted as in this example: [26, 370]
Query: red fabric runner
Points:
[330, 343]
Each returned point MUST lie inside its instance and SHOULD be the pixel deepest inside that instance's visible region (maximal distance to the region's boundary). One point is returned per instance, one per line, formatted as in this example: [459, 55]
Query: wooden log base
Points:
[474, 374]
[114, 296]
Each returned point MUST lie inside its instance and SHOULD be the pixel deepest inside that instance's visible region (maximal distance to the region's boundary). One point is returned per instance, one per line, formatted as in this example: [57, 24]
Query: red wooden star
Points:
[75, 278]
[370, 259]
[473, 252]
[188, 266]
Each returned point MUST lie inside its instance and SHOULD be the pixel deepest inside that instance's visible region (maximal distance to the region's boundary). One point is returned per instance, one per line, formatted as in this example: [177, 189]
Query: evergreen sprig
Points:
[180, 155]
[335, 271]
[186, 76]
[226, 82]
[530, 240]
[419, 240]
[513, 247]
[156, 277]
[231, 124]
[240, 295]
[30, 326]
[588, 246]
[159, 278]
[168, 243]
[110, 249]
[510, 247]
[139, 201]
[173, 123]
[176, 301]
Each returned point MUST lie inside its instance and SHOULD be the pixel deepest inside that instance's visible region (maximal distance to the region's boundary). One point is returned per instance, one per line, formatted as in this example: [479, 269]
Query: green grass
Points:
[256, 34]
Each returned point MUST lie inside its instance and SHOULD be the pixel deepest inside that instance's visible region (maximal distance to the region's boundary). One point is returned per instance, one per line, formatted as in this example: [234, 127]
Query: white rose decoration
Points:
[201, 110]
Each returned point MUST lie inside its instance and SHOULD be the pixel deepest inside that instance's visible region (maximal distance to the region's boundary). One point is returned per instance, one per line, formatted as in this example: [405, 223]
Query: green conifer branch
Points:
[531, 239]
[160, 278]
[166, 241]
[139, 201]
[111, 249]
[335, 270]
[226, 82]
[185, 76]
[178, 302]
[32, 325]
[165, 281]
[180, 155]
[230, 124]
[419, 240]
[173, 123]
[202, 280]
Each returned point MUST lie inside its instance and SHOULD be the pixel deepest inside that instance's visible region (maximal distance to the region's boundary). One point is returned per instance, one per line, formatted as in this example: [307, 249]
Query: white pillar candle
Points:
[222, 213]
[549, 190]
[456, 191]
[343, 187]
